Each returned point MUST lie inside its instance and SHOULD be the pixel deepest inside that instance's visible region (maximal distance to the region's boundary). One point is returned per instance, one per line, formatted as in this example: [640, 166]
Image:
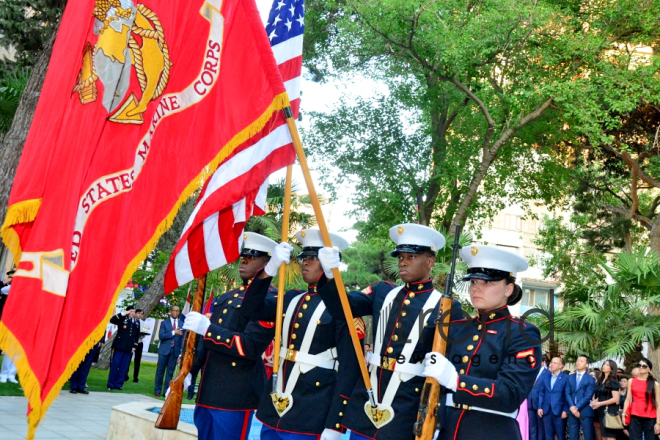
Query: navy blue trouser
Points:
[217, 424]
[587, 424]
[165, 362]
[79, 377]
[536, 431]
[121, 360]
[552, 425]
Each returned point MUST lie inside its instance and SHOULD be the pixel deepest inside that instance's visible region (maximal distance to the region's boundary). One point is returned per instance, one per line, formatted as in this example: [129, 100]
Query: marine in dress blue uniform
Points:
[122, 347]
[396, 364]
[233, 374]
[311, 396]
[494, 359]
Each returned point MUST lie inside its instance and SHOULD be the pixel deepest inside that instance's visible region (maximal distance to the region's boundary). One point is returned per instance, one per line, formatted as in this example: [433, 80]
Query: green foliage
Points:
[12, 84]
[607, 318]
[466, 80]
[26, 25]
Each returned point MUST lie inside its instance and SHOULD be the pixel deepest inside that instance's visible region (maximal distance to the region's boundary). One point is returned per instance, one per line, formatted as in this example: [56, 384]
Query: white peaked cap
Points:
[412, 234]
[312, 238]
[491, 257]
[257, 242]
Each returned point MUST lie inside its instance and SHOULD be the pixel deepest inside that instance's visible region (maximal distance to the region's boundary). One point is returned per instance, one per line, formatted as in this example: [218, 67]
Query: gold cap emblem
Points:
[474, 251]
[302, 234]
[399, 230]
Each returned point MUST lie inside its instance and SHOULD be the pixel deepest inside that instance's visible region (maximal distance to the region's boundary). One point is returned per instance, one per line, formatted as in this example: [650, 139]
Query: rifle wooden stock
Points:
[169, 413]
[428, 414]
[426, 417]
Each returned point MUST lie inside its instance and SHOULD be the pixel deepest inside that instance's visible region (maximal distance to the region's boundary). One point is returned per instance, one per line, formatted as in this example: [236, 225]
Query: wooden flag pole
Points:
[169, 413]
[327, 242]
[280, 287]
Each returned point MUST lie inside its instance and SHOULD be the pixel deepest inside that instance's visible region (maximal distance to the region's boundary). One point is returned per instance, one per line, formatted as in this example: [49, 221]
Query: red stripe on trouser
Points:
[246, 423]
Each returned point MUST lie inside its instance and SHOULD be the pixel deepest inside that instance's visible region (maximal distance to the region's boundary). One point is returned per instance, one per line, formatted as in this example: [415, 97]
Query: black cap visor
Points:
[245, 252]
[482, 273]
[411, 249]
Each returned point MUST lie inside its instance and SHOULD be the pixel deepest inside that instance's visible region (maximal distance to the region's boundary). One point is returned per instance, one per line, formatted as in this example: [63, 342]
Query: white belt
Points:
[394, 365]
[450, 403]
[322, 360]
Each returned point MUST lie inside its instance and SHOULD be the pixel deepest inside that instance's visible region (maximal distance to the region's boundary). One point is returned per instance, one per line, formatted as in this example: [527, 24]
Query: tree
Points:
[612, 319]
[490, 86]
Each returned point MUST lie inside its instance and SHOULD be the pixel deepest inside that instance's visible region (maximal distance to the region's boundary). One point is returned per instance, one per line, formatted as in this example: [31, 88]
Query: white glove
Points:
[438, 367]
[196, 322]
[281, 254]
[330, 434]
[329, 258]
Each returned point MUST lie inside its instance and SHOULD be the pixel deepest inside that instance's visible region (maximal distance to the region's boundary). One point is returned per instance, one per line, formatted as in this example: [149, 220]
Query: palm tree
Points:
[11, 89]
[607, 319]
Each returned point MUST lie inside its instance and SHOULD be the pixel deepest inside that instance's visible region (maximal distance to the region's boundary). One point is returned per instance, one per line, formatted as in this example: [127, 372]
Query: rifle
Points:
[431, 398]
[168, 418]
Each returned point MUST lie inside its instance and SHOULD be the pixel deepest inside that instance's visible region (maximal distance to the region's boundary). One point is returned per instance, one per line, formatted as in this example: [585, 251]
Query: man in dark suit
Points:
[553, 407]
[578, 392]
[123, 347]
[535, 422]
[171, 339]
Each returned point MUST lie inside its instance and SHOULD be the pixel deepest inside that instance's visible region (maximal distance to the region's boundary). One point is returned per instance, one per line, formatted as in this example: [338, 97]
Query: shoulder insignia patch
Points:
[367, 290]
[267, 324]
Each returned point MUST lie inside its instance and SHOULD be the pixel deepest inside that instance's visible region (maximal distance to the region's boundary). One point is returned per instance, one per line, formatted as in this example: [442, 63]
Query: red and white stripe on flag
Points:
[213, 235]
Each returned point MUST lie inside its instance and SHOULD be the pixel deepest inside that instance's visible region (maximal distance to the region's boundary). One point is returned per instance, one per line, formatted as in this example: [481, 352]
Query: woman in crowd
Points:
[643, 403]
[606, 398]
[623, 391]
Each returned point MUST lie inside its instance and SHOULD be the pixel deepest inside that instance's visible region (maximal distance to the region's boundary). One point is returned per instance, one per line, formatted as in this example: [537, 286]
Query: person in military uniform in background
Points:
[311, 396]
[494, 359]
[122, 347]
[403, 328]
[233, 375]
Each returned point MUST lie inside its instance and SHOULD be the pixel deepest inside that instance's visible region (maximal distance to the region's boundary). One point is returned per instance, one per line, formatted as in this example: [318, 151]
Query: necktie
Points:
[579, 377]
[173, 326]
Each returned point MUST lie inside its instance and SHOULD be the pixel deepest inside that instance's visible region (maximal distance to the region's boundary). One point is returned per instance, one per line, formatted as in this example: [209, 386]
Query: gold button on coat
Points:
[229, 302]
[220, 321]
[462, 384]
[233, 364]
[412, 295]
[208, 334]
[227, 340]
[341, 414]
[318, 384]
[318, 322]
[308, 297]
[300, 315]
[407, 302]
[462, 371]
[403, 313]
[294, 336]
[475, 387]
[479, 328]
[465, 359]
[218, 337]
[470, 347]
[345, 402]
[235, 295]
[475, 338]
[487, 390]
[395, 338]
[296, 325]
[338, 425]
[390, 349]
[291, 346]
[304, 306]
[224, 311]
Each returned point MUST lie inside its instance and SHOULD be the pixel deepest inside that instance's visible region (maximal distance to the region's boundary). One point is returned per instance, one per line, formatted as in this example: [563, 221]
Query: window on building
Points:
[513, 222]
[535, 297]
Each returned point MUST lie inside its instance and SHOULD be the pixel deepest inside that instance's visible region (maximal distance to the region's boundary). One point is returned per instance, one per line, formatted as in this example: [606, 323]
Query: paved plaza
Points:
[71, 416]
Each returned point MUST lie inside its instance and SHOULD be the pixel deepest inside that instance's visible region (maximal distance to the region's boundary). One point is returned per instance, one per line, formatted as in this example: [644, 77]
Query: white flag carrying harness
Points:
[402, 372]
[302, 360]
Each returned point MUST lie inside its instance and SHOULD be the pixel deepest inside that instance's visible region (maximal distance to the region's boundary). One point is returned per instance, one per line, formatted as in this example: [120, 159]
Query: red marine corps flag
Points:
[142, 102]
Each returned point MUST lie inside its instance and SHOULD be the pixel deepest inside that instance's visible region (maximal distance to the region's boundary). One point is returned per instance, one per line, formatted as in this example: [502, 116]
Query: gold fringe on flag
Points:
[26, 211]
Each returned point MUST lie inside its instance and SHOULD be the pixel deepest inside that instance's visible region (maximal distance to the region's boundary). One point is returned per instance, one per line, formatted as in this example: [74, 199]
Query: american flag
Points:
[213, 235]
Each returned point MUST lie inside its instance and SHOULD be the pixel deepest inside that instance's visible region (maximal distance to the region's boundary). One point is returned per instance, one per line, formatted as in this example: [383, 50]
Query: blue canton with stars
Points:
[286, 20]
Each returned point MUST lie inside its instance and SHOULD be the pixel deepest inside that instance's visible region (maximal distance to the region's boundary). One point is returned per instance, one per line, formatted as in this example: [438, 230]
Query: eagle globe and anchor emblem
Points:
[129, 36]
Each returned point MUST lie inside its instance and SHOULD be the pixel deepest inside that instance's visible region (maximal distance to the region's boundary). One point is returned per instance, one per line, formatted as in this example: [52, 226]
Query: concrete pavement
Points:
[71, 416]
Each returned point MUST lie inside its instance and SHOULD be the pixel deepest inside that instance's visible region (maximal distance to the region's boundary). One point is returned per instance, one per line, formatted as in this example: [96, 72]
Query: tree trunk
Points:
[147, 303]
[654, 237]
[11, 145]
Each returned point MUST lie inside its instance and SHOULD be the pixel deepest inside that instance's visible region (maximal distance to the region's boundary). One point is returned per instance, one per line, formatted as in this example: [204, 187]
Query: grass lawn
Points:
[98, 379]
